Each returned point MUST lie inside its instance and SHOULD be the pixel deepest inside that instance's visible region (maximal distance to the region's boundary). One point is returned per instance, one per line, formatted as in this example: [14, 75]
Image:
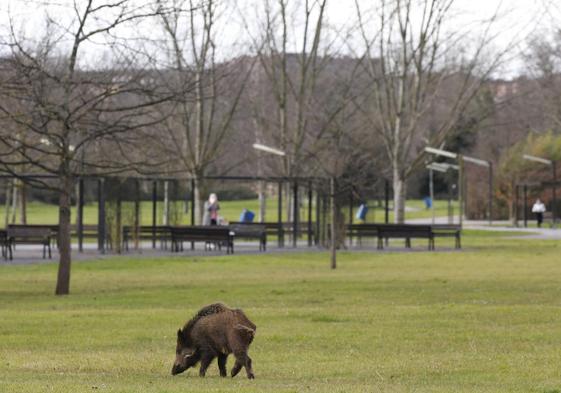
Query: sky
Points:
[517, 21]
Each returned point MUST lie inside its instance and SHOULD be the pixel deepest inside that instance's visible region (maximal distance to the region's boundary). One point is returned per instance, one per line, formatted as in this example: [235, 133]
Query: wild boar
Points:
[215, 331]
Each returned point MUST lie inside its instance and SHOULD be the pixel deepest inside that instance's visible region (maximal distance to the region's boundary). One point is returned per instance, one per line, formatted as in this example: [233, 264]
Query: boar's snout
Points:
[177, 369]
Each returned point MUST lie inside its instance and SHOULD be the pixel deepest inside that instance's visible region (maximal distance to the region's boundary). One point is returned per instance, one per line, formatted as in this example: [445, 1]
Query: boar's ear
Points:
[180, 337]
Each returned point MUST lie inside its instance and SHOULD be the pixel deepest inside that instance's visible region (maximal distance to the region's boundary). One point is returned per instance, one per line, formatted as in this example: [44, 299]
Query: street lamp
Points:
[461, 159]
[553, 166]
[442, 168]
[278, 152]
[268, 149]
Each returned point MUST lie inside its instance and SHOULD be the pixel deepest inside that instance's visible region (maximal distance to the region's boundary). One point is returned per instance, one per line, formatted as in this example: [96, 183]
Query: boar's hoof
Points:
[250, 376]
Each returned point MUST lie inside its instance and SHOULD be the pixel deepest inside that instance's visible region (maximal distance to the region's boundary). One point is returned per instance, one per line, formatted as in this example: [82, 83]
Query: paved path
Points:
[545, 233]
[28, 254]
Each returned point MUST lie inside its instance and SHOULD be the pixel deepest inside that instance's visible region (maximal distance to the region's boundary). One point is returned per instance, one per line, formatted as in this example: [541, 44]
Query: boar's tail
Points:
[245, 332]
[211, 309]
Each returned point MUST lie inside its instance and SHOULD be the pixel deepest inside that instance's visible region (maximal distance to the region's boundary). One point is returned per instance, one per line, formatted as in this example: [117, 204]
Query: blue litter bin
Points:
[361, 212]
[247, 216]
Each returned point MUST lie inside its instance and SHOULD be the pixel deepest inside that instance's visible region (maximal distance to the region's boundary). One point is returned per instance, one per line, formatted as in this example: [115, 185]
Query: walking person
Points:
[539, 209]
[211, 210]
[211, 217]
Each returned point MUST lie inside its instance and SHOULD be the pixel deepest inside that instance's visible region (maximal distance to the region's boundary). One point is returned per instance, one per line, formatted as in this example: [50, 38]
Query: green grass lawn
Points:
[42, 213]
[486, 319]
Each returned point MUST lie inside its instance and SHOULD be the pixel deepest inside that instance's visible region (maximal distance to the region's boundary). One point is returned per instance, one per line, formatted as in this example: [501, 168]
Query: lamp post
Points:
[280, 153]
[461, 183]
[438, 167]
[553, 165]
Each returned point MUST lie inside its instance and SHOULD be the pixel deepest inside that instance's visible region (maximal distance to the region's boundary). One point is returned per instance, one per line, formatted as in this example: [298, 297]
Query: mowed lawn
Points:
[42, 213]
[487, 319]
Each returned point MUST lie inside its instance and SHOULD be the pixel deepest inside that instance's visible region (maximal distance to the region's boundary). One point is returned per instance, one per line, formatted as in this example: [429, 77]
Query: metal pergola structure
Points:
[525, 188]
[462, 159]
[295, 183]
[313, 185]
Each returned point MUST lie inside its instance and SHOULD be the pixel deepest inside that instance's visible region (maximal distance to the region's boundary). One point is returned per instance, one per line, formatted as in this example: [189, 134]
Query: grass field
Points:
[41, 213]
[486, 319]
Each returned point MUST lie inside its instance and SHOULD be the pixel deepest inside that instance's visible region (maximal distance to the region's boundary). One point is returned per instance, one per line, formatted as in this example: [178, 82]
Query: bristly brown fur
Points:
[215, 331]
[211, 309]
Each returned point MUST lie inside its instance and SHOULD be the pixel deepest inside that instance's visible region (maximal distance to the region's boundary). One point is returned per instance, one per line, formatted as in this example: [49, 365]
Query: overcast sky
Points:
[518, 20]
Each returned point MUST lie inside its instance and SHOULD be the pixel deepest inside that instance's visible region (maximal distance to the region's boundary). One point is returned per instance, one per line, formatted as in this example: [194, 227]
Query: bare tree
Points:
[201, 116]
[291, 114]
[70, 113]
[415, 69]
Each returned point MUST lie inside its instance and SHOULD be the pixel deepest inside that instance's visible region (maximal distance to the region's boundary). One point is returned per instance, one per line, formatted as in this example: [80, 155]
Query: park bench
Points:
[383, 232]
[160, 233]
[360, 231]
[32, 234]
[447, 230]
[273, 228]
[251, 230]
[88, 231]
[405, 231]
[214, 234]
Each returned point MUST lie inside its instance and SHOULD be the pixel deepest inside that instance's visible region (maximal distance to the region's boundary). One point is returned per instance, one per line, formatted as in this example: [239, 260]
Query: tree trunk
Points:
[198, 202]
[512, 206]
[333, 243]
[118, 221]
[23, 204]
[262, 201]
[14, 201]
[165, 218]
[398, 198]
[63, 278]
[8, 202]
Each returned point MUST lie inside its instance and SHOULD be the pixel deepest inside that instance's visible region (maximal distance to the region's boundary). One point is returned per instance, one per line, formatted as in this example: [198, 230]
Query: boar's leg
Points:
[206, 359]
[242, 360]
[237, 367]
[222, 364]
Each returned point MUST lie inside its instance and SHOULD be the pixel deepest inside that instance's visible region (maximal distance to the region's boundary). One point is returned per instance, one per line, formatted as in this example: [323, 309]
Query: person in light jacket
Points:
[539, 209]
[211, 207]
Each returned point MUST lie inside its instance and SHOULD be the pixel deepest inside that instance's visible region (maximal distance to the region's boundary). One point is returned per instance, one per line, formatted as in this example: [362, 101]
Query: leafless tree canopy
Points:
[160, 87]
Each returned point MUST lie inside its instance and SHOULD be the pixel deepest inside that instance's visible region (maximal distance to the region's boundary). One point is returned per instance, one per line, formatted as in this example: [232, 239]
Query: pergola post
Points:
[325, 223]
[490, 193]
[525, 189]
[154, 211]
[351, 202]
[119, 221]
[310, 199]
[136, 230]
[193, 208]
[295, 215]
[461, 187]
[553, 212]
[516, 204]
[80, 215]
[280, 234]
[333, 224]
[101, 215]
[318, 219]
[450, 207]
